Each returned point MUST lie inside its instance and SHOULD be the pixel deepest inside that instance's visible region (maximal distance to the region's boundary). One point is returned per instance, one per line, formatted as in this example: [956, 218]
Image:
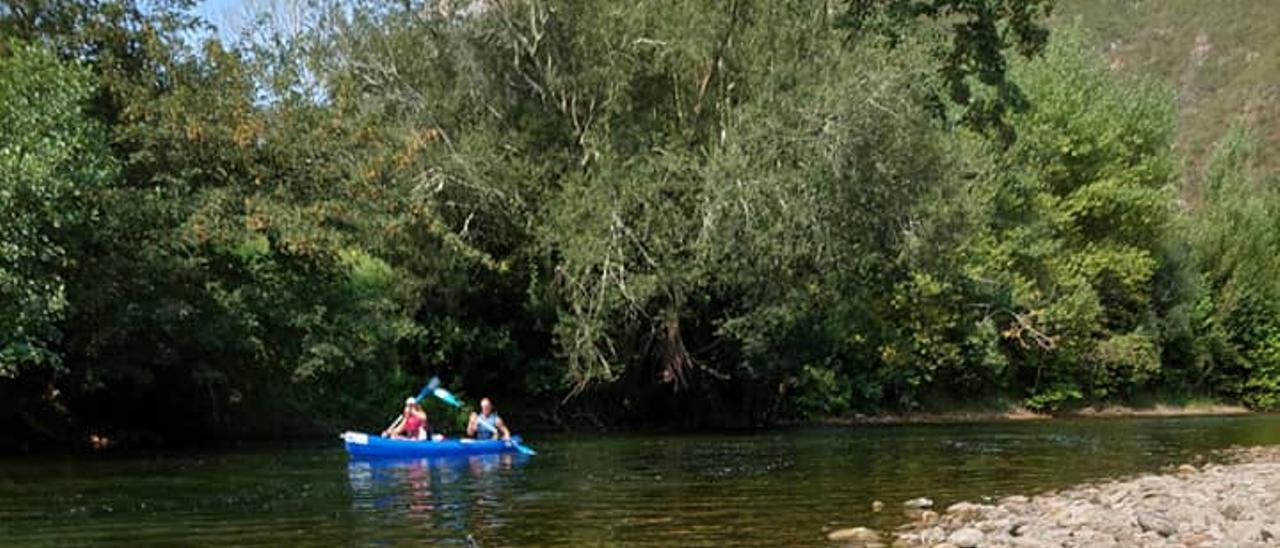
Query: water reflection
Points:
[439, 494]
[773, 488]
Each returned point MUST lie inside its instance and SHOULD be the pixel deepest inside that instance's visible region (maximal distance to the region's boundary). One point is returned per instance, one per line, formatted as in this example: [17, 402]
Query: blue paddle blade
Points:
[431, 385]
[446, 397]
[522, 448]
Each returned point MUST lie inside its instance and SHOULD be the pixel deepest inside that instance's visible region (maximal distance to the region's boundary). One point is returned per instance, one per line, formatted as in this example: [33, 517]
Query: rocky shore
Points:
[1234, 503]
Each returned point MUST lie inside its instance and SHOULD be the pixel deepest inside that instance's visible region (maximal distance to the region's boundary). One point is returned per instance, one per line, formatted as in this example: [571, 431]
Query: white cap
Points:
[410, 401]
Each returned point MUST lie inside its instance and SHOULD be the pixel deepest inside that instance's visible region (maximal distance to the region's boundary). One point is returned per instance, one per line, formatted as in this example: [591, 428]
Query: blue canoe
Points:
[369, 445]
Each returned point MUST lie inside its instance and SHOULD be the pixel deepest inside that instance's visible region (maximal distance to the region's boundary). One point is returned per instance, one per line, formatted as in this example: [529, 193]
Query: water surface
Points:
[780, 487]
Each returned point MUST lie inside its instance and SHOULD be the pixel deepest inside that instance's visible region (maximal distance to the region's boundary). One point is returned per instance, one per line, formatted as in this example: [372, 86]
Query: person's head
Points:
[486, 406]
[410, 404]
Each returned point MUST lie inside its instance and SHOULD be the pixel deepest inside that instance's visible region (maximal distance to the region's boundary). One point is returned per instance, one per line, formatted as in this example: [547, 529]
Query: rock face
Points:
[1215, 505]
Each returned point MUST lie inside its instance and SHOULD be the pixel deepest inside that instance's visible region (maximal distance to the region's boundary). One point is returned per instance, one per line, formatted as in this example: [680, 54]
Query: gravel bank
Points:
[1236, 504]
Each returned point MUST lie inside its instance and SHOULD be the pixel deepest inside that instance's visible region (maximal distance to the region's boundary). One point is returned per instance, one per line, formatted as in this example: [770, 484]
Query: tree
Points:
[1064, 262]
[978, 35]
[52, 159]
[1233, 236]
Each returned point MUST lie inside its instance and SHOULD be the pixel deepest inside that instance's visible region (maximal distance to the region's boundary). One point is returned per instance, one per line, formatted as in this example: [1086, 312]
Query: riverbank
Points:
[1023, 414]
[132, 440]
[1234, 503]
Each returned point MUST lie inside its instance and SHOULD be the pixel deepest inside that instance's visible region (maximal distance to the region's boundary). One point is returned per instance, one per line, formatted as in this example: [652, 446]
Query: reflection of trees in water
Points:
[446, 497]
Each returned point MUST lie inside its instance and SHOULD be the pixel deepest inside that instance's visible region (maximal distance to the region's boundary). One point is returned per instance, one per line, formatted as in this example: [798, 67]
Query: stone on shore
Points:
[966, 538]
[928, 517]
[966, 510]
[1213, 505]
[854, 534]
[919, 503]
[1153, 522]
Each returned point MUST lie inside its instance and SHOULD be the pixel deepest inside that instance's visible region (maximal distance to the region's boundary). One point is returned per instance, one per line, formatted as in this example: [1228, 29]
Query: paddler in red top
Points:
[412, 425]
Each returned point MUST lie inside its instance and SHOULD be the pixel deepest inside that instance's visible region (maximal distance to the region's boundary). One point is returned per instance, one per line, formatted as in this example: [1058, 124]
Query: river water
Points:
[772, 488]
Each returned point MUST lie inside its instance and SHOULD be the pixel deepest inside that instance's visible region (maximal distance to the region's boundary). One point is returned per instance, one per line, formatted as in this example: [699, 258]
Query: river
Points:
[769, 488]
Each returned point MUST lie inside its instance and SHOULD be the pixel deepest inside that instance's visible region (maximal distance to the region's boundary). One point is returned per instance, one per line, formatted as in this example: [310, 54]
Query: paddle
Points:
[524, 450]
[431, 386]
[444, 395]
[450, 399]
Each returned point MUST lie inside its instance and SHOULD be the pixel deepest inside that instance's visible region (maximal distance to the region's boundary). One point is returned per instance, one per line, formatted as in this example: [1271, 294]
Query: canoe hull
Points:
[372, 446]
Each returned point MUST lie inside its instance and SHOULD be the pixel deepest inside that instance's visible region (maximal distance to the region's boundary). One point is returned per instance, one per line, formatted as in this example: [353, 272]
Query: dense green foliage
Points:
[53, 159]
[1234, 239]
[674, 213]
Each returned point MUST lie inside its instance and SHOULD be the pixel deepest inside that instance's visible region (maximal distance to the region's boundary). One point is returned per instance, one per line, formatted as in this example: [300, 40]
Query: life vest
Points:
[414, 425]
[484, 432]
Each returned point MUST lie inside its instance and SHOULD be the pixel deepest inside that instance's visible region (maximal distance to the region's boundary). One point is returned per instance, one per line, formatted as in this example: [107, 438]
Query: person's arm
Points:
[395, 429]
[391, 429]
[471, 426]
[502, 427]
